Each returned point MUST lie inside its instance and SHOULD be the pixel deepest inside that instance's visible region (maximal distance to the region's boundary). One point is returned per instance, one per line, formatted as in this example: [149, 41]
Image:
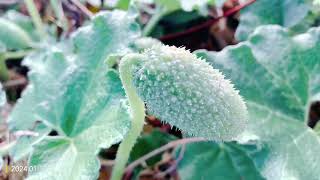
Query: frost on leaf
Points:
[229, 160]
[170, 6]
[288, 13]
[12, 36]
[73, 92]
[186, 92]
[278, 76]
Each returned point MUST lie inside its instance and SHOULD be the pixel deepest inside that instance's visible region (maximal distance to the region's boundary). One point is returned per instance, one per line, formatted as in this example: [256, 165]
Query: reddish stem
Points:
[159, 150]
[208, 23]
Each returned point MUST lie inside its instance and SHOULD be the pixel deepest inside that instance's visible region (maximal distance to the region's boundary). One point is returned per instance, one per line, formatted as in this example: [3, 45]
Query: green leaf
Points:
[23, 145]
[74, 92]
[200, 5]
[293, 145]
[147, 143]
[75, 158]
[170, 6]
[219, 161]
[274, 70]
[287, 13]
[23, 21]
[278, 76]
[12, 36]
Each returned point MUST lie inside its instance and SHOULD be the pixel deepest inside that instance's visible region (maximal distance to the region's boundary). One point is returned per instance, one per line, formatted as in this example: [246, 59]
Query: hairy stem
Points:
[153, 22]
[35, 17]
[137, 113]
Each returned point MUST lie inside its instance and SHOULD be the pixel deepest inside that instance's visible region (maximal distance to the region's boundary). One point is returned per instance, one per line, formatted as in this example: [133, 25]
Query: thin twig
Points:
[208, 23]
[174, 165]
[15, 83]
[155, 152]
[84, 9]
[26, 133]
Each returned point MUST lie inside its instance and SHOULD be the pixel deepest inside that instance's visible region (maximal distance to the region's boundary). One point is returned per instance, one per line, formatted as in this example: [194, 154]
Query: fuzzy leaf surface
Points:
[278, 76]
[206, 160]
[170, 6]
[287, 13]
[12, 36]
[73, 91]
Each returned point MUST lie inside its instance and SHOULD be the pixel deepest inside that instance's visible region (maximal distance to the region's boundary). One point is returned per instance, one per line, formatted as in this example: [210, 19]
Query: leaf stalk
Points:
[35, 17]
[153, 21]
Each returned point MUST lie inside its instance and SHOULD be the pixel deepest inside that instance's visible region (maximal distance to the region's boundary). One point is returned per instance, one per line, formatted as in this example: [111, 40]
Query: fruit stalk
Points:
[137, 111]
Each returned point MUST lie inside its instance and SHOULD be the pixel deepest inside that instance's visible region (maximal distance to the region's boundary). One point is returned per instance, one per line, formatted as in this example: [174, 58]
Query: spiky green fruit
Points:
[187, 92]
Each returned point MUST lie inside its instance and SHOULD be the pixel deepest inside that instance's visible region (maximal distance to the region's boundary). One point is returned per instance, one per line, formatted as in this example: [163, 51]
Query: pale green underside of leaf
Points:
[24, 22]
[73, 91]
[17, 31]
[278, 76]
[12, 36]
[287, 13]
[75, 158]
[200, 5]
[185, 5]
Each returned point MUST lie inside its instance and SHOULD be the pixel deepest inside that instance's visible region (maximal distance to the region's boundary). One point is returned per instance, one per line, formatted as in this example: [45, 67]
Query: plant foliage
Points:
[278, 83]
[287, 13]
[81, 98]
[91, 89]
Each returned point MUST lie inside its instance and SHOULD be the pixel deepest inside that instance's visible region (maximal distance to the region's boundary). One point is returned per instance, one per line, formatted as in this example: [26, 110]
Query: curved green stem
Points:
[137, 113]
[153, 21]
[35, 17]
